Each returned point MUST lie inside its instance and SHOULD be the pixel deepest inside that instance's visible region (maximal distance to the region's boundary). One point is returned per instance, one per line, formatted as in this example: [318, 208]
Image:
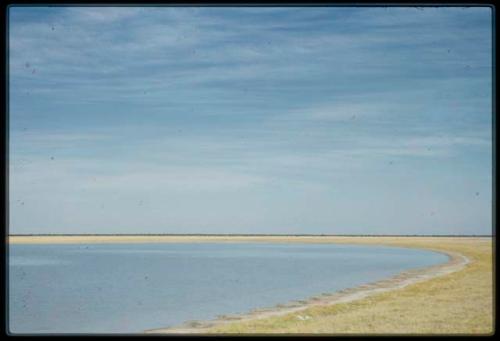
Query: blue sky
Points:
[250, 120]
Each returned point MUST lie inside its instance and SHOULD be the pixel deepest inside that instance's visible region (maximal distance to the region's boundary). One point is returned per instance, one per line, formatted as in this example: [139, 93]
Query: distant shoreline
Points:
[102, 238]
[246, 235]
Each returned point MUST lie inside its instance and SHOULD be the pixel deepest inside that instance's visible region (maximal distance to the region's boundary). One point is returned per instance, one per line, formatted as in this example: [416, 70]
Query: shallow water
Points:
[128, 288]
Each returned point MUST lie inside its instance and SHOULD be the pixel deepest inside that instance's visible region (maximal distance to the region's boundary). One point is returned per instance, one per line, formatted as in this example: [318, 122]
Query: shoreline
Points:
[455, 263]
[81, 239]
[462, 285]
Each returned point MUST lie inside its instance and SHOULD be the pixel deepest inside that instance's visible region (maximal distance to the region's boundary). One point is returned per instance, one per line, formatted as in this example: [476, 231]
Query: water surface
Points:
[128, 288]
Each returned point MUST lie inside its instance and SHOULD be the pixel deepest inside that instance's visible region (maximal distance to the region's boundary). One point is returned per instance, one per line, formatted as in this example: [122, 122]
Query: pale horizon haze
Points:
[265, 120]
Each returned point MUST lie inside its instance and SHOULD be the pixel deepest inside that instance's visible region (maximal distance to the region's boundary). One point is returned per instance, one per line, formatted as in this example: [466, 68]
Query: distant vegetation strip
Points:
[245, 235]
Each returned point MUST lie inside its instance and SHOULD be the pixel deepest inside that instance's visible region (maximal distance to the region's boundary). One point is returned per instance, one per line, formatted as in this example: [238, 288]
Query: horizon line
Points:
[252, 234]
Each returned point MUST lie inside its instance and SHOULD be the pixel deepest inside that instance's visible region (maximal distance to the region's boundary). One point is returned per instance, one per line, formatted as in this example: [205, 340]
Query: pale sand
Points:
[209, 238]
[455, 263]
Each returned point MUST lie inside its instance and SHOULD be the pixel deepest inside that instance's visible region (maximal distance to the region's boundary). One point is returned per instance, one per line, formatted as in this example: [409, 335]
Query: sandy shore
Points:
[455, 298]
[455, 262]
[27, 239]
[451, 298]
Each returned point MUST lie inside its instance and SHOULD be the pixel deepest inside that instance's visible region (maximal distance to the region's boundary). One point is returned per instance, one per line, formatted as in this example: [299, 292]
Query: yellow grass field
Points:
[456, 303]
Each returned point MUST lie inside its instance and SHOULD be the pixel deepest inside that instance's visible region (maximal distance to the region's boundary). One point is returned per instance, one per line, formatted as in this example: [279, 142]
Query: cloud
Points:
[242, 105]
[165, 50]
[103, 14]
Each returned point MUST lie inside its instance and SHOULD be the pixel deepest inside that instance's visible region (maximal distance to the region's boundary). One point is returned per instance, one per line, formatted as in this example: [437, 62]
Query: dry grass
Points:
[457, 303]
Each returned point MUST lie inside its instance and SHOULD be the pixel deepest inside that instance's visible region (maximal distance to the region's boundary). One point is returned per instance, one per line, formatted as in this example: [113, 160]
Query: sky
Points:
[277, 120]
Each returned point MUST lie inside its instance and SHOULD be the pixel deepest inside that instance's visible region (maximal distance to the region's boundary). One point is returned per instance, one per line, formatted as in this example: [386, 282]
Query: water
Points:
[128, 288]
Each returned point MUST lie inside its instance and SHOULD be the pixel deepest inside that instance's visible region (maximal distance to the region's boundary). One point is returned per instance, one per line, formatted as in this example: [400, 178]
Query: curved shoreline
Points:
[456, 262]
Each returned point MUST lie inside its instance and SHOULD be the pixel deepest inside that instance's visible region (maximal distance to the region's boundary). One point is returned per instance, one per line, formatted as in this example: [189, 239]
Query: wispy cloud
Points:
[238, 107]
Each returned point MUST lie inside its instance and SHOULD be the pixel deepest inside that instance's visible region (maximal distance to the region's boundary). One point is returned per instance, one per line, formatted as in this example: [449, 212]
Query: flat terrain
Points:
[457, 302]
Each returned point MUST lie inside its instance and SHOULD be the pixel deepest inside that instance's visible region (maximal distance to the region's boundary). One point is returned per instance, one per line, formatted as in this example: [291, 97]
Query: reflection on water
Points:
[29, 261]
